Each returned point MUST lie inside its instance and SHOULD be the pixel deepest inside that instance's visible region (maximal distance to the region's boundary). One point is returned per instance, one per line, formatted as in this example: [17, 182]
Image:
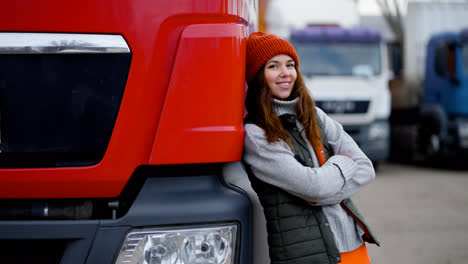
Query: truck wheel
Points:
[433, 129]
[429, 144]
[434, 145]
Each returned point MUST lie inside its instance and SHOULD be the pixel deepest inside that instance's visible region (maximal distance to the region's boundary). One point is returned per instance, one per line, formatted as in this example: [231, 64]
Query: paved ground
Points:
[419, 214]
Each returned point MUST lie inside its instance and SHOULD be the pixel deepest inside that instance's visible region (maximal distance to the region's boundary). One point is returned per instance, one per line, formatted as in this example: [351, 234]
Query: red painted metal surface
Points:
[202, 116]
[152, 30]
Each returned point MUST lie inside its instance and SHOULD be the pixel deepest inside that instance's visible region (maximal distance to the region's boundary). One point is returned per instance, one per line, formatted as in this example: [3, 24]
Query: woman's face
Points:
[280, 75]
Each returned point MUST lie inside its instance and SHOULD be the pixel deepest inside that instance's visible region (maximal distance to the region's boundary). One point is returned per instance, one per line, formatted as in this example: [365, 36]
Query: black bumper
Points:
[167, 199]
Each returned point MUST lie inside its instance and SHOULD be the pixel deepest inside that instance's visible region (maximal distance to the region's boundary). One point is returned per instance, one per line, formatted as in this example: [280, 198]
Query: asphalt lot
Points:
[419, 214]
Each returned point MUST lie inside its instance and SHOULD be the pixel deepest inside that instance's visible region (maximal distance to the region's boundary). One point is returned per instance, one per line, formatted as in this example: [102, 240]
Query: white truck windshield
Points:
[345, 59]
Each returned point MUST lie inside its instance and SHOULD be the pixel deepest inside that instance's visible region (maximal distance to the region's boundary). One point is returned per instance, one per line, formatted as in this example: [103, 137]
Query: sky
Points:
[282, 15]
[370, 7]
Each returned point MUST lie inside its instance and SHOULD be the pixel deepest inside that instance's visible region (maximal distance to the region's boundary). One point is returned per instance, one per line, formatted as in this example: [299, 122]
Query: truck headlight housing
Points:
[463, 129]
[463, 133]
[194, 245]
[378, 130]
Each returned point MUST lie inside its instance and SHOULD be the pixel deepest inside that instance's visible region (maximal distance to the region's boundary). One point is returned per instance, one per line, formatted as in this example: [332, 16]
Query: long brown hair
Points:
[258, 103]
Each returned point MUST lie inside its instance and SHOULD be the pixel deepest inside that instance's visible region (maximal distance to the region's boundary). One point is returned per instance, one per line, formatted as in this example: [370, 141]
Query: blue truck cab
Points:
[444, 112]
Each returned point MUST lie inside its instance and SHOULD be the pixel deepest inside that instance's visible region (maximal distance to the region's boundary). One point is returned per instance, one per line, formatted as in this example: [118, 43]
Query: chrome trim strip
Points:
[57, 43]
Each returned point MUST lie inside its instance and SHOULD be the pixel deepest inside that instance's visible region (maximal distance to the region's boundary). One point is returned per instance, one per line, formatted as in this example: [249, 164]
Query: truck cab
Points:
[347, 73]
[116, 120]
[444, 112]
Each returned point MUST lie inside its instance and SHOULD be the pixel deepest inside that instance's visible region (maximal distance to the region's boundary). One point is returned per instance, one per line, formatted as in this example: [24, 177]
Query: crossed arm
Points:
[344, 174]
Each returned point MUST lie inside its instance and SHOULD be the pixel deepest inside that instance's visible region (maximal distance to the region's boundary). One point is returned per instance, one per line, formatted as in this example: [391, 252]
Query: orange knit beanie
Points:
[261, 47]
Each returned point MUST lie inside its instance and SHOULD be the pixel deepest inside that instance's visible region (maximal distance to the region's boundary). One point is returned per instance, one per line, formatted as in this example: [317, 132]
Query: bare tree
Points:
[391, 11]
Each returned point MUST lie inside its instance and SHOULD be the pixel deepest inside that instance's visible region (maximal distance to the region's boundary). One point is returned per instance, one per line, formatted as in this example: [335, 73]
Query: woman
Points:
[302, 164]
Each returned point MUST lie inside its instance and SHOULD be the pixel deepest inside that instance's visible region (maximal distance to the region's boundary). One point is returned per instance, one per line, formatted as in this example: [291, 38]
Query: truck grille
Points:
[343, 107]
[59, 98]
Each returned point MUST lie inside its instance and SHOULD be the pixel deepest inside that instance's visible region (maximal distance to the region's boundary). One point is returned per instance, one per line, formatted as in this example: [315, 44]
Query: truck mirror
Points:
[441, 59]
[454, 79]
[451, 63]
[445, 61]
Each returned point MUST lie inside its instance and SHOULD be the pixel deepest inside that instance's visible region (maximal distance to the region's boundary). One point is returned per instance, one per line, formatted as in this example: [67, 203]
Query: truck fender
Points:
[434, 115]
[234, 173]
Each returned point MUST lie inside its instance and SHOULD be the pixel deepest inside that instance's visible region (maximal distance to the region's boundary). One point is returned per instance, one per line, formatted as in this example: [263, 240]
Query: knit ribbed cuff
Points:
[346, 165]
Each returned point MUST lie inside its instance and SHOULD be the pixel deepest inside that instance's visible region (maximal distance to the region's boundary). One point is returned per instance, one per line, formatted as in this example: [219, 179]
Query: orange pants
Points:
[357, 256]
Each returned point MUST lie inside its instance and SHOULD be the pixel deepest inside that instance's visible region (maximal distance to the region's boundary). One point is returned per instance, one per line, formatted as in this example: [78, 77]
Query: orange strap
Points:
[320, 153]
[357, 256]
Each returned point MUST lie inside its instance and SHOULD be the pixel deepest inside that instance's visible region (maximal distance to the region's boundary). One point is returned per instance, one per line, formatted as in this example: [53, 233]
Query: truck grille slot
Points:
[32, 251]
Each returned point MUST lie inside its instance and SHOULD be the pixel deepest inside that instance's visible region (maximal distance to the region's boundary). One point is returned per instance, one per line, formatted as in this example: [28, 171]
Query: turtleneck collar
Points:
[281, 107]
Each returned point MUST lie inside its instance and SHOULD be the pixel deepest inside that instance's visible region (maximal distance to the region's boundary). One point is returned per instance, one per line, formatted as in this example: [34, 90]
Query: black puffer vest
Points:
[299, 233]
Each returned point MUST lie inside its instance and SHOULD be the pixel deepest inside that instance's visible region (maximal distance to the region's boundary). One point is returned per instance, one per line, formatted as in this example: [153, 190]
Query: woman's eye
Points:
[272, 66]
[291, 65]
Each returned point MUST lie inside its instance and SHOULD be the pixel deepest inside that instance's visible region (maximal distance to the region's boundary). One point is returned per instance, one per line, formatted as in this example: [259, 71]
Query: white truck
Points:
[345, 67]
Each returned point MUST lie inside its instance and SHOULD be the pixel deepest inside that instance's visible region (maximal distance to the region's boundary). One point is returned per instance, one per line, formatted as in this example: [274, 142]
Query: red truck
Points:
[116, 119]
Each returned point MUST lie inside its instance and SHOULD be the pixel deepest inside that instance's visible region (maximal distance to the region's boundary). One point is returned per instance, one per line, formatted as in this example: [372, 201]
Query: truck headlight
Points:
[194, 245]
[463, 129]
[378, 130]
[463, 133]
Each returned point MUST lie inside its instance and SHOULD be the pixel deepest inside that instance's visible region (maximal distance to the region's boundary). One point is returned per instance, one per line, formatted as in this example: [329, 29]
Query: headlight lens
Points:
[463, 129]
[195, 245]
[378, 130]
[463, 134]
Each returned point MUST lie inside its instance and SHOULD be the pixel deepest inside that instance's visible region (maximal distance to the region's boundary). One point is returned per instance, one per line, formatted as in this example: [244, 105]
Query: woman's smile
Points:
[284, 84]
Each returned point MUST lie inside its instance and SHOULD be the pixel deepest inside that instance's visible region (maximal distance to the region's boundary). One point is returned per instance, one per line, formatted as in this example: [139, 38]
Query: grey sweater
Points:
[343, 175]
